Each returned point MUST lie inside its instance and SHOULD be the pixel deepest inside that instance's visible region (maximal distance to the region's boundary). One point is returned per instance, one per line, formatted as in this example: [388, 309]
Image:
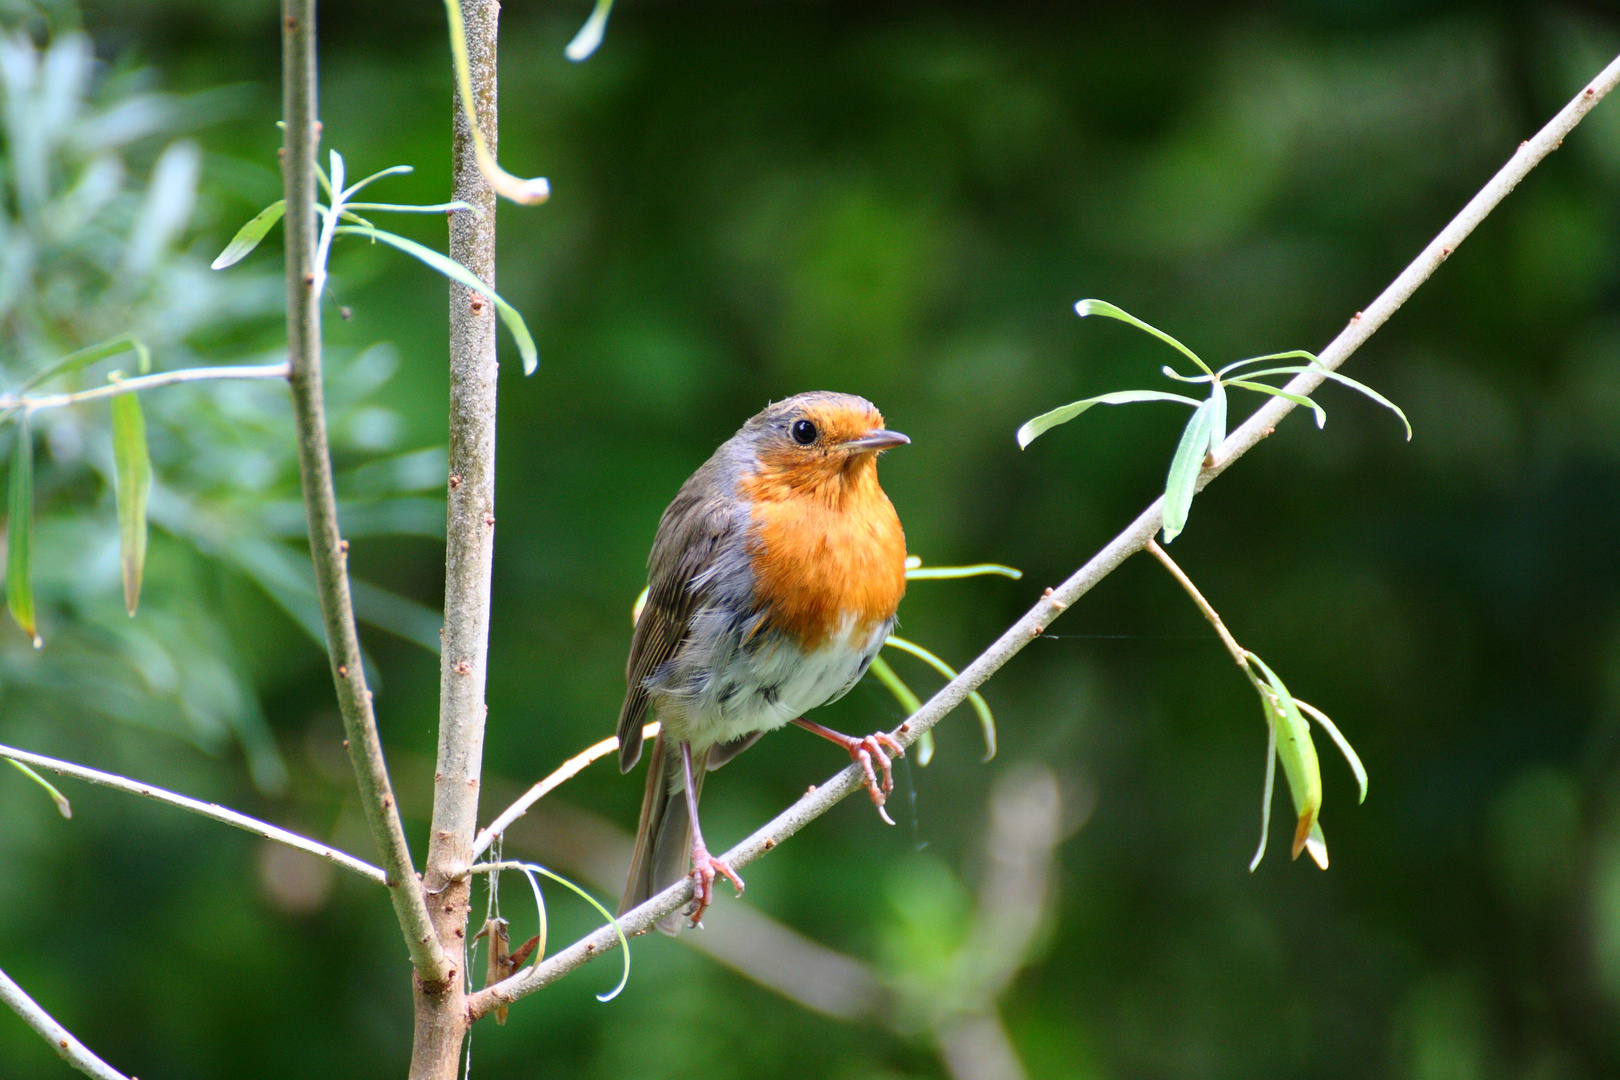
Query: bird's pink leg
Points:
[704, 865]
[864, 752]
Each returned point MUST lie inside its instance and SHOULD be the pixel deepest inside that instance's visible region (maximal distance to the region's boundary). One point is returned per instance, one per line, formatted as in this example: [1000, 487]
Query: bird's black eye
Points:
[804, 432]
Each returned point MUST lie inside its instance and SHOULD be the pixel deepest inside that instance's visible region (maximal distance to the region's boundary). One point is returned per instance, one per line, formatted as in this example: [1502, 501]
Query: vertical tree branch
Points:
[441, 1014]
[320, 503]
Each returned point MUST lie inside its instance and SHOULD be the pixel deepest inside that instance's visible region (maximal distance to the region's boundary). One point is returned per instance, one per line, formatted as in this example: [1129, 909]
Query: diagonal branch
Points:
[208, 810]
[69, 1049]
[327, 547]
[1135, 536]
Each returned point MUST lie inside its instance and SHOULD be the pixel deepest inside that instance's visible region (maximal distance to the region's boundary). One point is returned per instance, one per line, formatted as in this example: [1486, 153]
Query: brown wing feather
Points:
[690, 534]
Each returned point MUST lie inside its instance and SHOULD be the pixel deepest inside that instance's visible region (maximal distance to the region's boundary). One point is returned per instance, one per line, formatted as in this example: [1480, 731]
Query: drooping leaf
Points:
[1363, 388]
[20, 533]
[1297, 753]
[1217, 416]
[1043, 423]
[63, 807]
[1343, 744]
[617, 929]
[1185, 466]
[133, 466]
[590, 35]
[987, 722]
[462, 276]
[1297, 399]
[908, 700]
[248, 236]
[1103, 307]
[1270, 786]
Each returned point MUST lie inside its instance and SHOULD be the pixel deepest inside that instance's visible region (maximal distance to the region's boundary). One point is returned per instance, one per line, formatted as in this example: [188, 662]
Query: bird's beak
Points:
[881, 439]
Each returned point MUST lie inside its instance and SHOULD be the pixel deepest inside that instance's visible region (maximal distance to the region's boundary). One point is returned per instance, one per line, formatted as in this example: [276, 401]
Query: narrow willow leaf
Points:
[83, 358]
[987, 722]
[1172, 373]
[1363, 388]
[1043, 423]
[590, 35]
[1182, 480]
[1217, 416]
[1344, 745]
[1298, 755]
[63, 807]
[1271, 783]
[919, 572]
[392, 170]
[617, 929]
[413, 208]
[909, 701]
[1297, 399]
[1103, 307]
[248, 236]
[20, 533]
[134, 475]
[1292, 354]
[462, 276]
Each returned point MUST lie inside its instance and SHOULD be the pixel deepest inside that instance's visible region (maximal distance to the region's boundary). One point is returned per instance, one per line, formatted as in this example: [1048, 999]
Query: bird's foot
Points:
[872, 749]
[705, 868]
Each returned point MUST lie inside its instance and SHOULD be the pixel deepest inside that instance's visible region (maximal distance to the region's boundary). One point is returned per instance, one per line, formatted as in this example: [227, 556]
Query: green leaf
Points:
[591, 900]
[20, 533]
[392, 170]
[63, 807]
[1300, 369]
[1103, 307]
[462, 276]
[1301, 768]
[1297, 399]
[1344, 745]
[986, 721]
[83, 358]
[909, 701]
[248, 236]
[1043, 423]
[1182, 481]
[134, 475]
[590, 35]
[1271, 783]
[1217, 416]
[915, 571]
[1292, 354]
[413, 208]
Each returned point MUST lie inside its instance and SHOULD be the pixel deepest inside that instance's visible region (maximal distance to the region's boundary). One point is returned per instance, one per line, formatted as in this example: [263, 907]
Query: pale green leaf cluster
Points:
[1206, 429]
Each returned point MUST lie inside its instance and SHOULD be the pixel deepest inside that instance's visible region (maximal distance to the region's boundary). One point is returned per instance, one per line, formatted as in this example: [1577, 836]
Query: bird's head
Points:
[820, 438]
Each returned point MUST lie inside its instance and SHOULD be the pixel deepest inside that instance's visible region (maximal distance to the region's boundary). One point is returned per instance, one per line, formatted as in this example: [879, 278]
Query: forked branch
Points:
[1135, 536]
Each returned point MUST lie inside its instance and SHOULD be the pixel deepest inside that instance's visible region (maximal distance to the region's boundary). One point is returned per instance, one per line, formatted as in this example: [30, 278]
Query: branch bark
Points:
[441, 1015]
[327, 547]
[1135, 536]
[67, 1048]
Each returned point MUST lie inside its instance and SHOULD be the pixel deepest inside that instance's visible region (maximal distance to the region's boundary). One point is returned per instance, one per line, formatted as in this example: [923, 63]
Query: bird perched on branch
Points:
[772, 583]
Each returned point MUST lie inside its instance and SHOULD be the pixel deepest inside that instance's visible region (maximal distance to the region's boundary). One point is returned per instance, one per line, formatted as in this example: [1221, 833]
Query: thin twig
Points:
[1116, 551]
[1240, 655]
[145, 382]
[327, 547]
[196, 806]
[566, 771]
[67, 1048]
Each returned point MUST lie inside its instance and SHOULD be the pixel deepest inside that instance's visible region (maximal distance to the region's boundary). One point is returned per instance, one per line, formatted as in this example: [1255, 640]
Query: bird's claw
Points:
[705, 868]
[871, 748]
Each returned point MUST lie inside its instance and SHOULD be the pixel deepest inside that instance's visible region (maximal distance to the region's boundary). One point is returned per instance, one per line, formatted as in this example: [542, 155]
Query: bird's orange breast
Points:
[826, 549]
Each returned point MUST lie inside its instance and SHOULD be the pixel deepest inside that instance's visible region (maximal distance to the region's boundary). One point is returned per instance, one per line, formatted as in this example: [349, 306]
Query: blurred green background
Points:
[904, 200]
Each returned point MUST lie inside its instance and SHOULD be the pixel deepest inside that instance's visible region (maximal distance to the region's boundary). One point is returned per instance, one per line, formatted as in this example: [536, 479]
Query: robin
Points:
[772, 583]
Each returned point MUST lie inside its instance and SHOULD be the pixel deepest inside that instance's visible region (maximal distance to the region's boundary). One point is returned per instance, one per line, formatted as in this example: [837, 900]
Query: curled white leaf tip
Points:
[590, 35]
[1084, 308]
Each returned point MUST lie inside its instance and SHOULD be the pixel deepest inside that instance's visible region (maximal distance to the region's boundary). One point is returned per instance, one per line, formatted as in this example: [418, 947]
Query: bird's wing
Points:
[691, 536]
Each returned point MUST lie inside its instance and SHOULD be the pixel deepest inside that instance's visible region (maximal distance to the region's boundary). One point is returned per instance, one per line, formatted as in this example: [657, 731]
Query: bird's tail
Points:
[664, 837]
